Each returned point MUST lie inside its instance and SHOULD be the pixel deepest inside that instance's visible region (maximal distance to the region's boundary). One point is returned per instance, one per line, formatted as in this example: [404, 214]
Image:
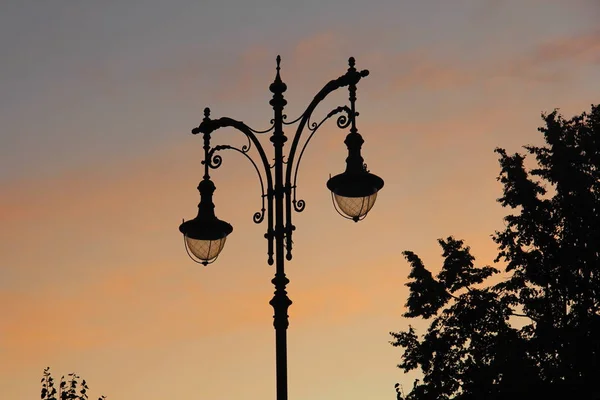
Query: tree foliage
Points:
[473, 349]
[70, 388]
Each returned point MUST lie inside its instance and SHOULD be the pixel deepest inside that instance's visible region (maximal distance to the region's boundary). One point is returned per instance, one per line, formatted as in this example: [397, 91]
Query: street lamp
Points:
[353, 192]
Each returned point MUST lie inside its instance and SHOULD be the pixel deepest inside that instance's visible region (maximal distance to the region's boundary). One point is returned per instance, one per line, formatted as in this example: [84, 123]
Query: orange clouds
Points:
[543, 64]
[93, 273]
[326, 47]
[431, 76]
[137, 306]
[94, 262]
[146, 306]
[583, 48]
[250, 73]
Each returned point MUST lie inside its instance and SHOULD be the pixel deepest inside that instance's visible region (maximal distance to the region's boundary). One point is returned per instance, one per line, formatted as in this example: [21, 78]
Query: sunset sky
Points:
[98, 168]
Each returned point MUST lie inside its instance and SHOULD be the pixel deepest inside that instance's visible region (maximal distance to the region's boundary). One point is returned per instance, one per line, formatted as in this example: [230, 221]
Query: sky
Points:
[98, 168]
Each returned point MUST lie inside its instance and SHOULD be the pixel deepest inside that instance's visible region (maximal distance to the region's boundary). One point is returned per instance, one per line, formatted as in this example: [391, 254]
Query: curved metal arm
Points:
[214, 161]
[210, 125]
[343, 121]
[350, 78]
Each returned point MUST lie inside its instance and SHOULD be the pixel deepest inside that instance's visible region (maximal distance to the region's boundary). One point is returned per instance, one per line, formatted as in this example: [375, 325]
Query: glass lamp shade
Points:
[205, 250]
[355, 193]
[205, 238]
[355, 207]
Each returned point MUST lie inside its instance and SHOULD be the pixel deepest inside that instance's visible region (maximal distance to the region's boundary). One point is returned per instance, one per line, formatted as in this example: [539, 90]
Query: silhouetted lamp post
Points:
[353, 191]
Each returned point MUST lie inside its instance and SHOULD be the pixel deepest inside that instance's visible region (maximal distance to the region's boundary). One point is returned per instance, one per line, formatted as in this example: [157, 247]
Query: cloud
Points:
[323, 46]
[552, 61]
[420, 70]
[254, 69]
[146, 306]
[555, 60]
[226, 77]
[110, 283]
[583, 48]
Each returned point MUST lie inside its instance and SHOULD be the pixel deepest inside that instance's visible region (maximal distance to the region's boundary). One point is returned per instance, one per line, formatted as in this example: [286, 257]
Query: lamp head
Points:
[355, 193]
[354, 190]
[205, 235]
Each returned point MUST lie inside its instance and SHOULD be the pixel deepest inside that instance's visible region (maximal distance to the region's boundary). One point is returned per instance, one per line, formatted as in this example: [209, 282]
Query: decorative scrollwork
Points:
[215, 161]
[343, 121]
[212, 163]
[299, 205]
[291, 122]
[259, 216]
[247, 147]
[269, 129]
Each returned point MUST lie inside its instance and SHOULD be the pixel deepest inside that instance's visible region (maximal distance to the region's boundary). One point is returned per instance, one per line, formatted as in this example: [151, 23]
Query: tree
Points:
[536, 332]
[68, 389]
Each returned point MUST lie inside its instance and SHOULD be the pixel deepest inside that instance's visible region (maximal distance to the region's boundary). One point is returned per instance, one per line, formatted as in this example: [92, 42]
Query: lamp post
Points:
[353, 191]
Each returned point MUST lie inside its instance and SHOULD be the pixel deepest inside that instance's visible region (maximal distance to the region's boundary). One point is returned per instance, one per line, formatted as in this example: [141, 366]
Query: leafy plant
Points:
[70, 388]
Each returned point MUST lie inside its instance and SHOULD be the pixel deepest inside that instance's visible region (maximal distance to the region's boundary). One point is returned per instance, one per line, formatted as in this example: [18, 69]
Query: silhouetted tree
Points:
[536, 333]
[68, 389]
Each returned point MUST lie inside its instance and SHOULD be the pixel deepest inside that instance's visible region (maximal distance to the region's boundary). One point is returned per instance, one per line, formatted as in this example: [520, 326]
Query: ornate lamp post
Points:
[353, 191]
